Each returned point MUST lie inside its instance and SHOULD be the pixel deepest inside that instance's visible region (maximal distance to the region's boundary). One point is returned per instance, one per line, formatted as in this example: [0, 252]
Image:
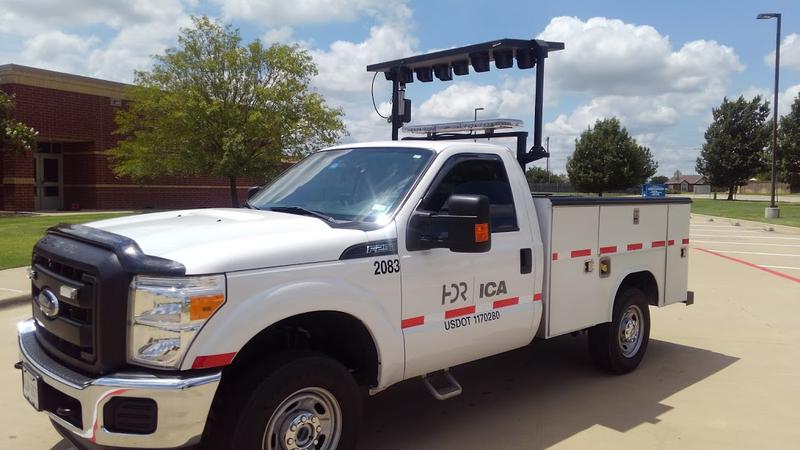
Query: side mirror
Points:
[252, 190]
[467, 225]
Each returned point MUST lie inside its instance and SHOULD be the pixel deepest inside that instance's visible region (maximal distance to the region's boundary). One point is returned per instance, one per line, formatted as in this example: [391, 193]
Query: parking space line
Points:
[732, 229]
[750, 253]
[749, 237]
[749, 264]
[782, 267]
[746, 243]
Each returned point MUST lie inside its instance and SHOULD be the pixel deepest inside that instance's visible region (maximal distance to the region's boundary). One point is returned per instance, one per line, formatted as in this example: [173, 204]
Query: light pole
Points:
[476, 119]
[547, 149]
[773, 212]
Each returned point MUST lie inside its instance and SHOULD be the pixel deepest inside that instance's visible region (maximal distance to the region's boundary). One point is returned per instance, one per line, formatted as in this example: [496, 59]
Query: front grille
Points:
[71, 332]
[88, 334]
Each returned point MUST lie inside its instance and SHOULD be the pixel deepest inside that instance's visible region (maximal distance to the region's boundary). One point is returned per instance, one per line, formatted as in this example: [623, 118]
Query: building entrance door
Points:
[48, 177]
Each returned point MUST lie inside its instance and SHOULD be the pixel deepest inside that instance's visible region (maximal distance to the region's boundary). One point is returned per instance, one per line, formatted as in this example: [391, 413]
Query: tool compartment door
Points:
[632, 239]
[572, 301]
[677, 272]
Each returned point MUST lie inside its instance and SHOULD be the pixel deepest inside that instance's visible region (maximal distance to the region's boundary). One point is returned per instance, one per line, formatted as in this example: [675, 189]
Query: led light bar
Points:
[470, 125]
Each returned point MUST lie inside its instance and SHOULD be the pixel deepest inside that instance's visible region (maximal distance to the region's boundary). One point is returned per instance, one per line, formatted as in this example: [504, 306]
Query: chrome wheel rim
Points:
[308, 419]
[630, 331]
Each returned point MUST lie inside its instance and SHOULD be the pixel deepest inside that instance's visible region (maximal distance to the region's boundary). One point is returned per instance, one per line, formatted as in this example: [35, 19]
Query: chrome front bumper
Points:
[183, 402]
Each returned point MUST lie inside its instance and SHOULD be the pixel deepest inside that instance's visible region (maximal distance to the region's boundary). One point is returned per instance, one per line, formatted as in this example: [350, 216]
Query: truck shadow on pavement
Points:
[534, 397]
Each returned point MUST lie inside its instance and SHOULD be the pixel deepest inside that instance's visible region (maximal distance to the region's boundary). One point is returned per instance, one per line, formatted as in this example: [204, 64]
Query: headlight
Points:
[165, 314]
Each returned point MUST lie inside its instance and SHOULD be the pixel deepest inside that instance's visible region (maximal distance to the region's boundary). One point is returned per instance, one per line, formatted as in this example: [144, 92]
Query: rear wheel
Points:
[619, 346]
[305, 402]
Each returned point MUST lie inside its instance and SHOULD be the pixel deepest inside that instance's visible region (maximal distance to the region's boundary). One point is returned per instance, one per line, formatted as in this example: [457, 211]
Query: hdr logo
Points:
[453, 292]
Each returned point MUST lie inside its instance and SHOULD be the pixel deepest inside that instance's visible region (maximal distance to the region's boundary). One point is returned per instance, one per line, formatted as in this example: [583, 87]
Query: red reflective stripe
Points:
[555, 256]
[671, 242]
[96, 425]
[412, 322]
[658, 244]
[632, 247]
[506, 302]
[579, 253]
[609, 249]
[208, 361]
[459, 312]
[685, 241]
[537, 297]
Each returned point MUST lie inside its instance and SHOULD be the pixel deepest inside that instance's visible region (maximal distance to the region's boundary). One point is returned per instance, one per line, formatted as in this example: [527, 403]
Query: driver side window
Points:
[476, 175]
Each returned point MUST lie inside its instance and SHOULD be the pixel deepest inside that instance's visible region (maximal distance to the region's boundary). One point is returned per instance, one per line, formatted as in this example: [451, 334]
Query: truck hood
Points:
[225, 240]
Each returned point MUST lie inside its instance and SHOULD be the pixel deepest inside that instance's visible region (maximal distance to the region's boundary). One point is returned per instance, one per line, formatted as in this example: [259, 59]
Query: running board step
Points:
[442, 384]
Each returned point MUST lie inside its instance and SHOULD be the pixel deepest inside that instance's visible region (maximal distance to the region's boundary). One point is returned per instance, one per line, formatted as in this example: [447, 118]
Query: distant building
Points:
[69, 169]
[697, 184]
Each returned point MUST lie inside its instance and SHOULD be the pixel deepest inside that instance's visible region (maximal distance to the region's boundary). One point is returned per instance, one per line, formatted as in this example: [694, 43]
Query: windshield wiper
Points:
[303, 211]
[247, 205]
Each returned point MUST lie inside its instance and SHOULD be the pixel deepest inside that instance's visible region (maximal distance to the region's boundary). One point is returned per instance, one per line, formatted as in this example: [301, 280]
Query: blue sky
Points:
[658, 66]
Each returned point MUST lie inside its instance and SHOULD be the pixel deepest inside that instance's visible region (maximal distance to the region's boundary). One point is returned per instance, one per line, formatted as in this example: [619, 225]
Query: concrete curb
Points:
[750, 223]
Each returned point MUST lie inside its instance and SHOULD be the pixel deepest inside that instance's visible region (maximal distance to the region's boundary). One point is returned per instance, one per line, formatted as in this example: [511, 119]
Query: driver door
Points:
[459, 307]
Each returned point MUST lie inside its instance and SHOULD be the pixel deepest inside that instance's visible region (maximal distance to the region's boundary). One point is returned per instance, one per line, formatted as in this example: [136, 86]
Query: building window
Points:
[49, 147]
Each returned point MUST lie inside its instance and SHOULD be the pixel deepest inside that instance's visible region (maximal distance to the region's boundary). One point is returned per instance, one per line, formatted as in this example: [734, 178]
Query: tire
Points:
[313, 393]
[619, 346]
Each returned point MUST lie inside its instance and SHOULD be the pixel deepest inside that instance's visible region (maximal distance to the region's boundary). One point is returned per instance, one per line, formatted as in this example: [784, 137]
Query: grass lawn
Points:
[747, 210]
[19, 233]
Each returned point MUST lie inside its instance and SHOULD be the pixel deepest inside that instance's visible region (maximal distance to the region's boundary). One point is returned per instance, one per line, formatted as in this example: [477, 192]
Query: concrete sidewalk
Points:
[15, 287]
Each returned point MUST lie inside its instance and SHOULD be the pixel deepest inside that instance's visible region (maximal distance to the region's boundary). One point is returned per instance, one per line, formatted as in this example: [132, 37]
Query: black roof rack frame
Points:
[528, 53]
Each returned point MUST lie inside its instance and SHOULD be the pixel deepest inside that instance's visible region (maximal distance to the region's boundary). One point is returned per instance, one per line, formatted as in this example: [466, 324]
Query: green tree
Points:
[735, 143]
[539, 175]
[659, 179]
[606, 157]
[14, 135]
[789, 146]
[215, 107]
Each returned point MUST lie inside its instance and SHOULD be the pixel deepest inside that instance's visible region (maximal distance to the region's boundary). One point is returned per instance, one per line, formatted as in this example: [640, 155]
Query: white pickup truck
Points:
[360, 267]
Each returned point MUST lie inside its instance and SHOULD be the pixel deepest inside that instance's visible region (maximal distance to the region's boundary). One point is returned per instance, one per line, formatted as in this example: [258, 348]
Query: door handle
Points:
[525, 261]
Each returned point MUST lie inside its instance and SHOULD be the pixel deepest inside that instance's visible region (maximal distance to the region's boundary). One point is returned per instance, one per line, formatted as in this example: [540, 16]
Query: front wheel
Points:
[305, 403]
[619, 346]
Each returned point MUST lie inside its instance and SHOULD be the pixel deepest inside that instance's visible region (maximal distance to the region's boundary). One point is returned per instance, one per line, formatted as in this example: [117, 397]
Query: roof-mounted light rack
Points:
[486, 125]
[528, 53]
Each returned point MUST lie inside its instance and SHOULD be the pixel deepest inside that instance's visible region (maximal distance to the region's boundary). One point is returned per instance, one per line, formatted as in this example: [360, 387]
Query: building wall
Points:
[84, 123]
[763, 187]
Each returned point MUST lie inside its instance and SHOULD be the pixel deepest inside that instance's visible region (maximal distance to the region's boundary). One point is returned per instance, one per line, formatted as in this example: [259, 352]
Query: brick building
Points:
[74, 116]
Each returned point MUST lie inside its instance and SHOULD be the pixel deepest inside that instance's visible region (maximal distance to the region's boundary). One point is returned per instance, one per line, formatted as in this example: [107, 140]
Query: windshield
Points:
[365, 184]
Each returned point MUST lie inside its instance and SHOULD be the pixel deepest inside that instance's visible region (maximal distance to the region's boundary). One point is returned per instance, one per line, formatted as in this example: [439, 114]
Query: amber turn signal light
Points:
[203, 307]
[481, 232]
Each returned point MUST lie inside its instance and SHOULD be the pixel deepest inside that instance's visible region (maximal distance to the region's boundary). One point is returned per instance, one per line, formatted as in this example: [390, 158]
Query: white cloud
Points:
[345, 82]
[55, 49]
[607, 56]
[785, 97]
[29, 17]
[282, 13]
[280, 34]
[513, 98]
[634, 73]
[342, 67]
[141, 29]
[790, 53]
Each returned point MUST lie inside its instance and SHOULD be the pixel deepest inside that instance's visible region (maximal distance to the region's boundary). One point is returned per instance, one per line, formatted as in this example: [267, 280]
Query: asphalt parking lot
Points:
[723, 373]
